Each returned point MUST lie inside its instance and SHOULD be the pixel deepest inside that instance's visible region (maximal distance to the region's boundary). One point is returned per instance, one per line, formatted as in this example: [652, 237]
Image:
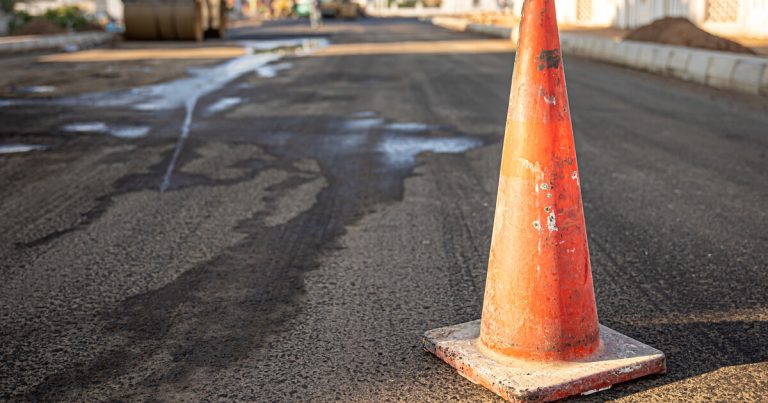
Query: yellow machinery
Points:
[174, 19]
[347, 9]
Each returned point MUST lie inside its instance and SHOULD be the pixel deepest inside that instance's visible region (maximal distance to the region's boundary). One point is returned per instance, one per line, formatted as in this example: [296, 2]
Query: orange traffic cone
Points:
[539, 338]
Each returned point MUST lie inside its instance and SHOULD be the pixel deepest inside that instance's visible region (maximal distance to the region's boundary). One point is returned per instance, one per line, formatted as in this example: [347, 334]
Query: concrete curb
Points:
[460, 24]
[492, 30]
[32, 43]
[724, 70]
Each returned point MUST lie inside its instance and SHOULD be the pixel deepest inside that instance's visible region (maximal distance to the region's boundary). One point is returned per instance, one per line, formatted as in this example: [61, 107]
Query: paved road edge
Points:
[743, 73]
[22, 44]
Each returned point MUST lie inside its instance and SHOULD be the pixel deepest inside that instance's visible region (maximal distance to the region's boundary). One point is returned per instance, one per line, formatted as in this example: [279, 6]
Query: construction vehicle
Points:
[347, 9]
[190, 20]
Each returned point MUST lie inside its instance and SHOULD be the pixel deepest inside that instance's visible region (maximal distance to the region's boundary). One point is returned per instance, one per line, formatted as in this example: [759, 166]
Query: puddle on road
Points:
[364, 114]
[20, 148]
[189, 90]
[123, 132]
[37, 89]
[410, 127]
[299, 46]
[180, 93]
[127, 132]
[89, 127]
[271, 70]
[223, 104]
[399, 141]
[362, 124]
[185, 92]
[402, 151]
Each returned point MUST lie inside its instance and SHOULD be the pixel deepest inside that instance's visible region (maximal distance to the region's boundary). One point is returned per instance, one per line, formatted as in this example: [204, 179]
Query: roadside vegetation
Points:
[53, 21]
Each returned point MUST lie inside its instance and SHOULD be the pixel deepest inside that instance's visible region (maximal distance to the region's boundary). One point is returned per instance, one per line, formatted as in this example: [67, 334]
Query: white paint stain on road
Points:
[224, 104]
[364, 114]
[271, 70]
[123, 132]
[38, 89]
[362, 124]
[20, 148]
[87, 127]
[129, 132]
[397, 142]
[304, 45]
[367, 120]
[409, 127]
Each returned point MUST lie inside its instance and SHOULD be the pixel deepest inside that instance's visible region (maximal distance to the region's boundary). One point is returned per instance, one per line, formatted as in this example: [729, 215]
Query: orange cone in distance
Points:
[539, 338]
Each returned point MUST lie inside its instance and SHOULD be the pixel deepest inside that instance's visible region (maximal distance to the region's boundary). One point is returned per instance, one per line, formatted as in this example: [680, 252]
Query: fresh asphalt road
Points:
[305, 239]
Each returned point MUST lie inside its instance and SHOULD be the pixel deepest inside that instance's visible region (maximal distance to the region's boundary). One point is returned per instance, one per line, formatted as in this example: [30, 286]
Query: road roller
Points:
[186, 20]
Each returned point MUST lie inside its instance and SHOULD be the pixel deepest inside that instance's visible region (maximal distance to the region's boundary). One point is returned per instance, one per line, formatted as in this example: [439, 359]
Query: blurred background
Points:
[741, 18]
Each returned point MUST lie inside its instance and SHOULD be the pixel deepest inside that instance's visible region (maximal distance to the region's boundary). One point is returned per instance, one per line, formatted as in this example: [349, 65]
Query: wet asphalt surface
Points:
[302, 246]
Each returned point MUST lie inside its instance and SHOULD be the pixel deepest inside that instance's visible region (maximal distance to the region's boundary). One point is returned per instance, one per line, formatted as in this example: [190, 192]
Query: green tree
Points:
[7, 5]
[70, 17]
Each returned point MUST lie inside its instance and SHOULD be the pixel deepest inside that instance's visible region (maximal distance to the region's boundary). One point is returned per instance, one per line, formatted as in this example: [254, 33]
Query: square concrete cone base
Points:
[619, 359]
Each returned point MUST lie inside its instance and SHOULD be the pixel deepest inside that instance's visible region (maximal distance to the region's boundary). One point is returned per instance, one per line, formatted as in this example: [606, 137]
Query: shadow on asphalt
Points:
[695, 349]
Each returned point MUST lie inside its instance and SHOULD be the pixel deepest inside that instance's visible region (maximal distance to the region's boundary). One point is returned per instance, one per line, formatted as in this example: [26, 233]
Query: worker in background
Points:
[315, 17]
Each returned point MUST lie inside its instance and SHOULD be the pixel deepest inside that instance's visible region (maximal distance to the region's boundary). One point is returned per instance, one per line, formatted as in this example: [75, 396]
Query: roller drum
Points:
[163, 20]
[188, 21]
[139, 20]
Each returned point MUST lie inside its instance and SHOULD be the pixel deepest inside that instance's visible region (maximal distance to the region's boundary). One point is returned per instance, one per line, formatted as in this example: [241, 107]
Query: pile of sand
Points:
[681, 32]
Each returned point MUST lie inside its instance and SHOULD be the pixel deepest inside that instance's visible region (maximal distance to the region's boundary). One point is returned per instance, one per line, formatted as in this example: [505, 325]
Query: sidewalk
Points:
[759, 45]
[732, 71]
[32, 43]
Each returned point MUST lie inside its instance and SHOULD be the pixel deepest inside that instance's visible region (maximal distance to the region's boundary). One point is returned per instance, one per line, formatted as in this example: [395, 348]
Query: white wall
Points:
[112, 7]
[603, 12]
[463, 6]
[751, 20]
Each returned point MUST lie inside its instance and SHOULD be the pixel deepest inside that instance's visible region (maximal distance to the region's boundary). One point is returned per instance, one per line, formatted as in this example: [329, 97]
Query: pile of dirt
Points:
[682, 32]
[39, 26]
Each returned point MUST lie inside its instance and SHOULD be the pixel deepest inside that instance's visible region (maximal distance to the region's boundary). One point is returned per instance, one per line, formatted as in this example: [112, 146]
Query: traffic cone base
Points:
[618, 359]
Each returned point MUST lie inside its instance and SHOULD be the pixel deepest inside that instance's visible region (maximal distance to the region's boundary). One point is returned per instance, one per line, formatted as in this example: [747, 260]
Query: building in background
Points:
[112, 7]
[726, 17]
[462, 6]
[37, 7]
